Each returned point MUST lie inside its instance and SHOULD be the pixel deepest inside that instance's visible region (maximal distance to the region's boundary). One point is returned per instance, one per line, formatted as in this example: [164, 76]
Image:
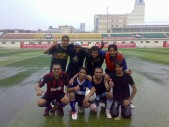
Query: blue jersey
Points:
[85, 84]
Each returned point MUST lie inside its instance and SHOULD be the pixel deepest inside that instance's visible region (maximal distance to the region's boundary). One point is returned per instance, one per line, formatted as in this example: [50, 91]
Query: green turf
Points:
[157, 55]
[34, 60]
[15, 79]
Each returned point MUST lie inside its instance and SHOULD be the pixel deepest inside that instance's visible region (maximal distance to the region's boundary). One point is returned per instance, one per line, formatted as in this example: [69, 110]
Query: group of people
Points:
[84, 71]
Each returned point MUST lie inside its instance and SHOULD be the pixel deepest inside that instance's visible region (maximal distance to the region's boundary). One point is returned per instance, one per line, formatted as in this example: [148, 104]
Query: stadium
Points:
[127, 31]
[145, 47]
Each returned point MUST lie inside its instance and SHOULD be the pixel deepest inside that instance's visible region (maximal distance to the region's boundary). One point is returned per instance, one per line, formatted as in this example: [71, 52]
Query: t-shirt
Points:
[121, 89]
[76, 61]
[60, 56]
[54, 86]
[92, 63]
[85, 84]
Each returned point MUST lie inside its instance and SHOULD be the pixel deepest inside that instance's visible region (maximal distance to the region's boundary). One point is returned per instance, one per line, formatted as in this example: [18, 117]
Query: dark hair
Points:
[82, 68]
[112, 46]
[56, 64]
[94, 48]
[98, 68]
[65, 36]
[119, 63]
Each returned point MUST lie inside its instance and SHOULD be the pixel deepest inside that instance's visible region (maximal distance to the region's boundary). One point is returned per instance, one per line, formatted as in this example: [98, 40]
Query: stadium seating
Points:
[17, 36]
[39, 36]
[79, 35]
[153, 35]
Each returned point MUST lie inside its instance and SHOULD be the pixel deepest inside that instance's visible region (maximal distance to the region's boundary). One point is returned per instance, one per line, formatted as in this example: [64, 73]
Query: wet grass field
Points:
[20, 69]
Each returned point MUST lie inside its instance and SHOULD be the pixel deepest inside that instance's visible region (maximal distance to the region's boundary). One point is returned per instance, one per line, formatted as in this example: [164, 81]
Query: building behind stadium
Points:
[124, 30]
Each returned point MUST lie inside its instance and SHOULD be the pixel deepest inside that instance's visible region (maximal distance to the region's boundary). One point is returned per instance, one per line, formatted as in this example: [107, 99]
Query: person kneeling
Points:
[77, 92]
[56, 80]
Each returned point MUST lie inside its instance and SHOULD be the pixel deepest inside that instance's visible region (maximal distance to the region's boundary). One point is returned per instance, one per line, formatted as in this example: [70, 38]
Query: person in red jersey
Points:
[55, 81]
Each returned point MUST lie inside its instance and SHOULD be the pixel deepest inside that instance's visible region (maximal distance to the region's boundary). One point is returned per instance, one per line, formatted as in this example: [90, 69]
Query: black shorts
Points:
[79, 99]
[50, 98]
[100, 98]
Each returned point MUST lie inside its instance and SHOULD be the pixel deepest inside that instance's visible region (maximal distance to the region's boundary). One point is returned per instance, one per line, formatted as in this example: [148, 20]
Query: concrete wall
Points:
[139, 42]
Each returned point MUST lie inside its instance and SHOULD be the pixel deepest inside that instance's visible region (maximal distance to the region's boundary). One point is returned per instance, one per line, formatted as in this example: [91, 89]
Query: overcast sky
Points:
[34, 14]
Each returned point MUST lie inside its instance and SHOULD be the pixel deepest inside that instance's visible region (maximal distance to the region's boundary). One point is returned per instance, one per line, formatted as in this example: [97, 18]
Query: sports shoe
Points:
[80, 109]
[108, 114]
[74, 115]
[102, 104]
[132, 106]
[46, 112]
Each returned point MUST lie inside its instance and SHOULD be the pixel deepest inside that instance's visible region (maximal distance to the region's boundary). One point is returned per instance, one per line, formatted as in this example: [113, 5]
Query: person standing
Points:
[77, 55]
[59, 52]
[112, 56]
[94, 59]
[55, 81]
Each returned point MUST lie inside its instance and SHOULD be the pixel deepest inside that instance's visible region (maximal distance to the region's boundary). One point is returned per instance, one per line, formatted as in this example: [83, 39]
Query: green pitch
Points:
[20, 69]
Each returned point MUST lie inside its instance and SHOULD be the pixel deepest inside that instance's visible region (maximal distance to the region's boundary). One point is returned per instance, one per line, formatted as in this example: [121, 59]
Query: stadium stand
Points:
[17, 36]
[39, 36]
[79, 36]
[121, 35]
[153, 35]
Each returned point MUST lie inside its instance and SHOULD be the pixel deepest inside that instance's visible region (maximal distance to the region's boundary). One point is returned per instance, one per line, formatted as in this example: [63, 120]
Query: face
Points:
[98, 73]
[65, 42]
[94, 54]
[77, 48]
[82, 74]
[56, 70]
[118, 69]
[112, 52]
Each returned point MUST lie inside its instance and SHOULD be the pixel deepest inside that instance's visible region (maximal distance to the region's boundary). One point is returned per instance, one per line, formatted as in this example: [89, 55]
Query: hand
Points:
[126, 103]
[106, 77]
[39, 92]
[71, 82]
[102, 42]
[65, 99]
[77, 88]
[86, 103]
[111, 83]
[55, 41]
[128, 71]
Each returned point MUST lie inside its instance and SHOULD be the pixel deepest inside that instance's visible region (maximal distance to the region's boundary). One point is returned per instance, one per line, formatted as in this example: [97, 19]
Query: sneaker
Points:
[46, 112]
[60, 110]
[80, 109]
[132, 106]
[102, 104]
[74, 115]
[108, 114]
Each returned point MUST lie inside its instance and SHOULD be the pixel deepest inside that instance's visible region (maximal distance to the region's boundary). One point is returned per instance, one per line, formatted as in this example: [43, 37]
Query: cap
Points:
[77, 43]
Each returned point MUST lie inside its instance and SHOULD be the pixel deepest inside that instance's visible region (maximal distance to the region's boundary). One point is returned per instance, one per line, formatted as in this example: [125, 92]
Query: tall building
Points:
[82, 27]
[105, 23]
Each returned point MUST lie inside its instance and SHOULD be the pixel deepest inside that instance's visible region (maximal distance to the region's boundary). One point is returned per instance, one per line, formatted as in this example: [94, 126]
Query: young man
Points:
[55, 81]
[59, 52]
[102, 91]
[77, 92]
[121, 91]
[94, 59]
[77, 55]
[111, 57]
